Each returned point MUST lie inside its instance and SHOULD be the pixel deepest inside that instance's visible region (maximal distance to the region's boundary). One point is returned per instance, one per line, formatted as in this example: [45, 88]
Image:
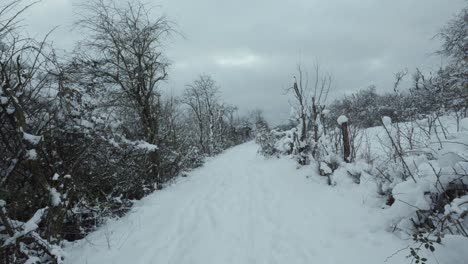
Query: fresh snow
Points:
[33, 139]
[342, 119]
[3, 100]
[387, 121]
[27, 227]
[458, 206]
[146, 146]
[55, 177]
[33, 260]
[54, 196]
[31, 154]
[324, 167]
[242, 208]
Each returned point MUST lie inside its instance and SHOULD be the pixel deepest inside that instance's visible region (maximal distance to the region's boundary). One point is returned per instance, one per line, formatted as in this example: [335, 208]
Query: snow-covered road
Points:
[242, 208]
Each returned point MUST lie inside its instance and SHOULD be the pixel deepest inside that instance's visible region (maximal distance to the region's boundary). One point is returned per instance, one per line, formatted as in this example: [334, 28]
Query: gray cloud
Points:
[252, 47]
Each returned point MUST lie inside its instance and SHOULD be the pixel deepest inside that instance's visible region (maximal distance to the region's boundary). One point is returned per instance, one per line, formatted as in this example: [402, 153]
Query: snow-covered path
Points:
[241, 208]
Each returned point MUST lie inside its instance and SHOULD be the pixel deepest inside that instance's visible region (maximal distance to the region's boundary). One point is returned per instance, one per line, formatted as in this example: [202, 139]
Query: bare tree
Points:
[192, 98]
[455, 38]
[124, 49]
[399, 76]
[202, 96]
[301, 91]
[310, 115]
[124, 52]
[257, 118]
[231, 122]
[322, 87]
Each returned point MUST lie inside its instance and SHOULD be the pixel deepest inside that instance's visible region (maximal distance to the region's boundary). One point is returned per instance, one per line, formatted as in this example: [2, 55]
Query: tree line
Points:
[82, 134]
[432, 95]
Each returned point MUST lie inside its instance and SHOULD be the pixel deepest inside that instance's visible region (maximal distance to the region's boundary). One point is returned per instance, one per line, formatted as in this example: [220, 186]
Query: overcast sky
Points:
[252, 47]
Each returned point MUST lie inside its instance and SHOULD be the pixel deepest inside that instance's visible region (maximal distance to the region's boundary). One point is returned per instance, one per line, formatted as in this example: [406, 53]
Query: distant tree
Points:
[202, 97]
[257, 118]
[229, 130]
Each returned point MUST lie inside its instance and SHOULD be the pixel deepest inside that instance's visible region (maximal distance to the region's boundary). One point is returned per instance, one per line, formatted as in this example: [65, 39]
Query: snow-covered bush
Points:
[267, 142]
[193, 158]
[409, 146]
[437, 182]
[81, 138]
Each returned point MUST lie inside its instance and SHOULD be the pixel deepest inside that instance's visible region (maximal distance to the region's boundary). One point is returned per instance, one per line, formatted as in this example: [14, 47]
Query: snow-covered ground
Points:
[242, 208]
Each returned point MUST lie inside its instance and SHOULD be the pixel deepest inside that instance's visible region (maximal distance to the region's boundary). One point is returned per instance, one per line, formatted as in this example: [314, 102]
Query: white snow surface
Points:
[33, 139]
[31, 154]
[55, 177]
[28, 227]
[387, 121]
[342, 119]
[3, 99]
[54, 197]
[242, 208]
[146, 146]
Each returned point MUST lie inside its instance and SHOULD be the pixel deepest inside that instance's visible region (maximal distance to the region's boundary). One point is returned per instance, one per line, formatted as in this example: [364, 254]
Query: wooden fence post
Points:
[346, 145]
[343, 122]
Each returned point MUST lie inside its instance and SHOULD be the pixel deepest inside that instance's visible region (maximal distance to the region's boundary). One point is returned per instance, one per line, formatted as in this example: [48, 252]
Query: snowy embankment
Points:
[425, 171]
[242, 208]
